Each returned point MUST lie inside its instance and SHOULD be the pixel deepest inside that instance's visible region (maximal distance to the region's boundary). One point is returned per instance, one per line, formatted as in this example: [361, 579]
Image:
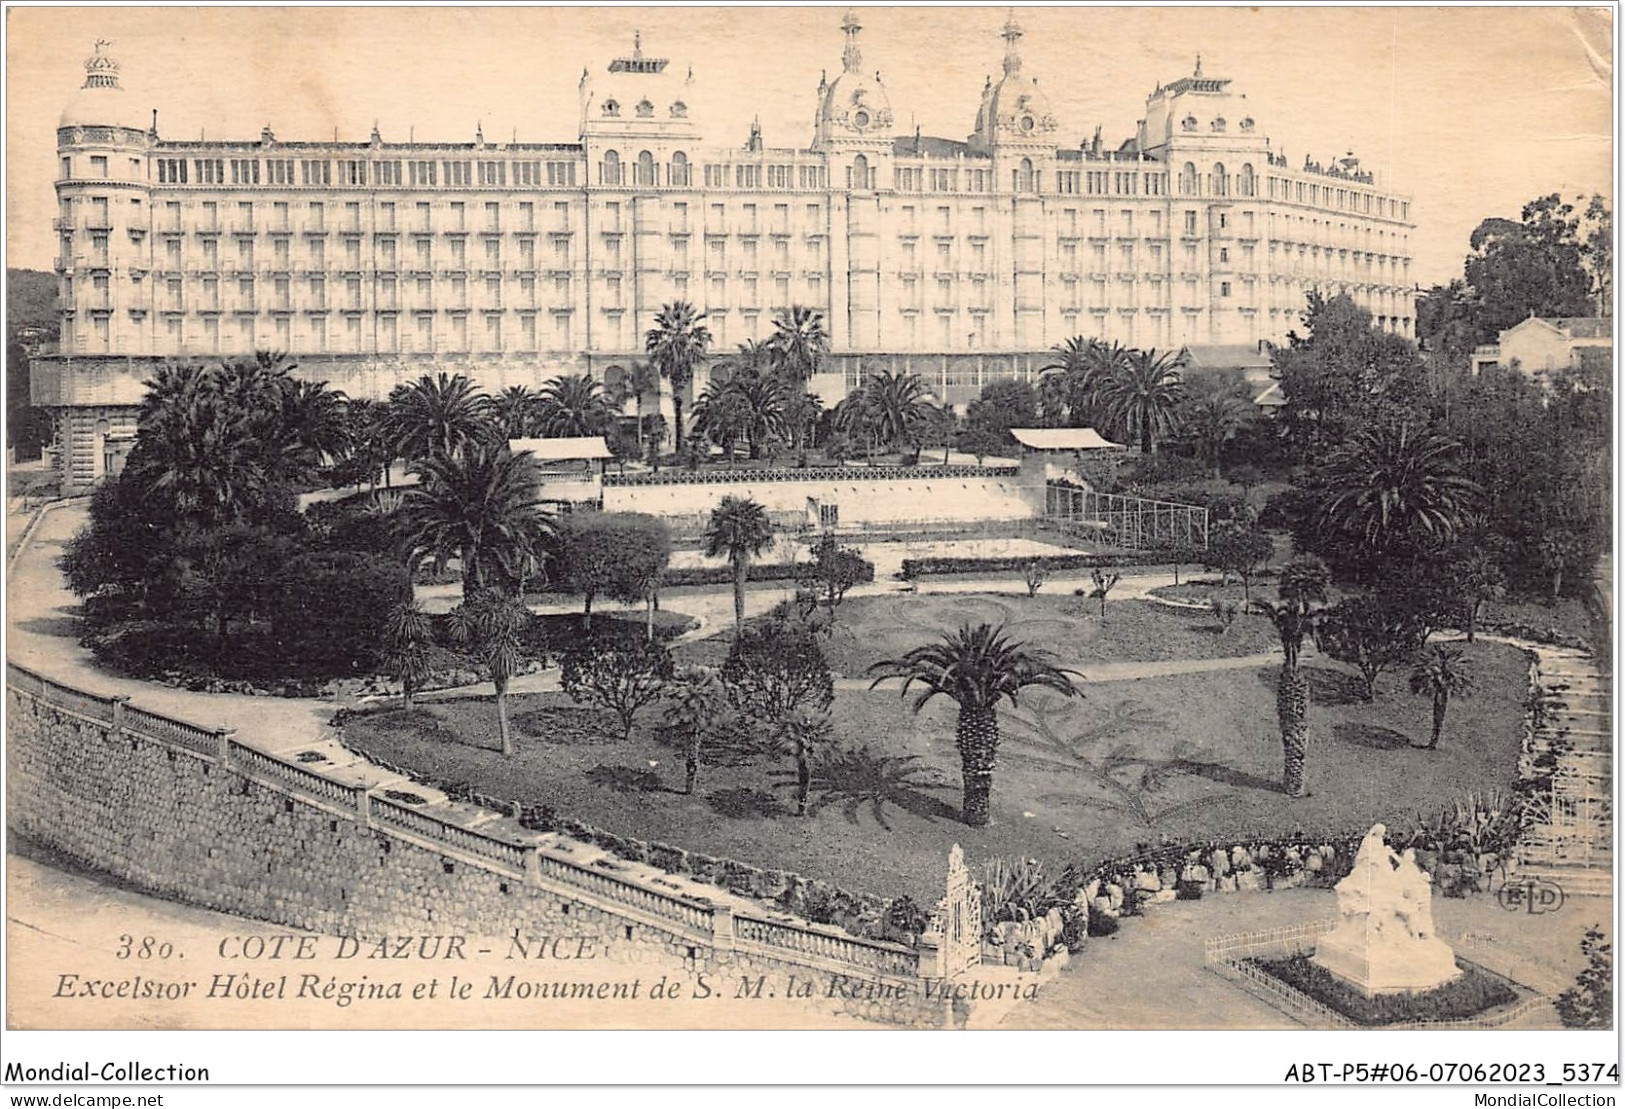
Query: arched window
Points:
[612, 108]
[1220, 185]
[859, 178]
[679, 170]
[646, 170]
[1024, 177]
[1249, 185]
[609, 171]
[1187, 180]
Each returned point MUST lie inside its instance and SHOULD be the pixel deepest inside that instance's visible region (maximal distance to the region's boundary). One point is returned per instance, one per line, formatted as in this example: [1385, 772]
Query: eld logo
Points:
[1533, 896]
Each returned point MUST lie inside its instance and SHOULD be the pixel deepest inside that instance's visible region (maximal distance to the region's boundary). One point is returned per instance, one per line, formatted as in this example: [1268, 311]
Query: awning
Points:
[1062, 439]
[583, 449]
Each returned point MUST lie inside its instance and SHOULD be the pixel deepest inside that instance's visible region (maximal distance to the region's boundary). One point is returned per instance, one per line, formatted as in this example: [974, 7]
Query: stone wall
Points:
[200, 818]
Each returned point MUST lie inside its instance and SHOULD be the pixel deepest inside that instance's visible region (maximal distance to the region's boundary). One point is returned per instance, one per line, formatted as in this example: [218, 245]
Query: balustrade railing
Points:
[295, 777]
[99, 709]
[176, 733]
[697, 917]
[893, 960]
[394, 814]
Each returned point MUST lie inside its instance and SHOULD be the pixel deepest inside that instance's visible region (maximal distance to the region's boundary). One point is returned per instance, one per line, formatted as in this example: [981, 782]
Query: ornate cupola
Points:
[639, 99]
[854, 110]
[101, 101]
[1014, 112]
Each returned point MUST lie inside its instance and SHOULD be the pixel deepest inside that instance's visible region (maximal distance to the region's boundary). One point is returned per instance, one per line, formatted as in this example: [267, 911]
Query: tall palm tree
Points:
[722, 415]
[1142, 393]
[676, 345]
[975, 667]
[1441, 673]
[799, 341]
[516, 409]
[313, 425]
[1301, 588]
[438, 417]
[740, 529]
[1068, 380]
[572, 406]
[1396, 485]
[479, 506]
[493, 624]
[407, 636]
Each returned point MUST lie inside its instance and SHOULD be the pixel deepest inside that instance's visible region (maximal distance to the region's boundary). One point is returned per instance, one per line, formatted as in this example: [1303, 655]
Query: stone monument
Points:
[1385, 943]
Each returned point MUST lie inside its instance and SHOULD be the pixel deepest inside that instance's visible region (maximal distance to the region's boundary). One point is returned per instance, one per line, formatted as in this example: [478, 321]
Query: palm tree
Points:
[438, 417]
[722, 415]
[1069, 379]
[1302, 586]
[632, 385]
[494, 624]
[697, 709]
[1394, 485]
[799, 341]
[740, 529]
[1212, 421]
[407, 635]
[676, 344]
[975, 667]
[572, 406]
[516, 409]
[895, 408]
[1142, 393]
[479, 506]
[1441, 673]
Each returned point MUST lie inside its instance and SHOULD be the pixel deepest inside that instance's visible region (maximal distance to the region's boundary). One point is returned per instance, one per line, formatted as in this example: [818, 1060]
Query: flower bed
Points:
[931, 567]
[1474, 993]
[811, 473]
[757, 571]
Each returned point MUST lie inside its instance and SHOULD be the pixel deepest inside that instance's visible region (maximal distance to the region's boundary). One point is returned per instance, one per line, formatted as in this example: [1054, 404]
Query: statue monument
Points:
[1386, 943]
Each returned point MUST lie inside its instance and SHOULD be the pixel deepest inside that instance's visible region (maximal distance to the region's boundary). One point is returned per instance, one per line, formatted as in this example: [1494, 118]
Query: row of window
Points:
[351, 172]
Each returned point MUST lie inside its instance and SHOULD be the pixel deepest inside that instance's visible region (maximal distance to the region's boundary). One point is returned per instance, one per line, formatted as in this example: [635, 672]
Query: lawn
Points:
[1080, 780]
[868, 629]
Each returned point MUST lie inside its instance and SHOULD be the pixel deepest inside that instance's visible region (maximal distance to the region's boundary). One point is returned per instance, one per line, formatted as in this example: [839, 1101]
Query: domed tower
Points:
[854, 124]
[1014, 123]
[638, 123]
[104, 223]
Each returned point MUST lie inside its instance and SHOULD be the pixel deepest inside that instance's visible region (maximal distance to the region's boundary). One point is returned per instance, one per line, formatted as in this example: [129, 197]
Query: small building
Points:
[1542, 345]
[1076, 454]
[569, 478]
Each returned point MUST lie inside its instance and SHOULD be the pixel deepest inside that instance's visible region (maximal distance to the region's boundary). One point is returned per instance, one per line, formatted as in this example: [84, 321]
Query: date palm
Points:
[515, 409]
[480, 507]
[1070, 378]
[438, 417]
[1440, 673]
[676, 345]
[493, 624]
[739, 529]
[1142, 393]
[976, 668]
[1301, 589]
[799, 341]
[407, 636]
[1396, 485]
[572, 406]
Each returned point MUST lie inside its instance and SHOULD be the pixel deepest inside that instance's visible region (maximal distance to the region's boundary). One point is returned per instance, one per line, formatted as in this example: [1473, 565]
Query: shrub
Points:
[1589, 1003]
[623, 672]
[1001, 564]
[1074, 928]
[1467, 996]
[328, 610]
[903, 919]
[757, 571]
[1103, 924]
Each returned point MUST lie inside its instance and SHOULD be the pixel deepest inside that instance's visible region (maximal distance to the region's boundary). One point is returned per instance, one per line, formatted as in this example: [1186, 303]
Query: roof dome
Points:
[639, 95]
[1015, 108]
[101, 101]
[855, 104]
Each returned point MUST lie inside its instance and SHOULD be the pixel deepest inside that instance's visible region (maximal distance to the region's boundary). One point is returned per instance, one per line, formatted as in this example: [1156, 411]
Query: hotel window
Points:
[98, 165]
[245, 294]
[352, 293]
[493, 174]
[527, 216]
[318, 293]
[315, 173]
[459, 253]
[386, 254]
[457, 173]
[527, 254]
[420, 174]
[609, 170]
[1224, 288]
[386, 216]
[493, 216]
[388, 335]
[459, 216]
[426, 333]
[1190, 223]
[171, 171]
[318, 216]
[210, 171]
[280, 292]
[527, 331]
[561, 173]
[425, 222]
[423, 254]
[318, 254]
[352, 254]
[678, 173]
[387, 173]
[352, 334]
[318, 333]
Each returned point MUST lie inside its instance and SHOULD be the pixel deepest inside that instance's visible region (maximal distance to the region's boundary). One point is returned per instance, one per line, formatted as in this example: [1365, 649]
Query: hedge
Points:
[757, 571]
[926, 567]
[811, 473]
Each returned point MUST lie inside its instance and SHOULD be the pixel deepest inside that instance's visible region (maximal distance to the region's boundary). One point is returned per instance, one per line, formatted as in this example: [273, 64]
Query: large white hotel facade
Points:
[961, 260]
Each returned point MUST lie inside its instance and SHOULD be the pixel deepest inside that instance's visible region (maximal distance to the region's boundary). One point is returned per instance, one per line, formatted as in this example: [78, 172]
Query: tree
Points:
[1474, 577]
[676, 345]
[1211, 415]
[327, 610]
[1068, 381]
[1001, 406]
[1035, 575]
[640, 381]
[799, 341]
[1391, 491]
[805, 732]
[775, 670]
[1534, 267]
[976, 668]
[479, 506]
[1240, 549]
[834, 570]
[516, 411]
[1301, 588]
[619, 555]
[739, 529]
[407, 636]
[1343, 374]
[1142, 394]
[438, 417]
[621, 672]
[571, 407]
[1103, 586]
[1373, 632]
[1441, 673]
[890, 409]
[697, 710]
[493, 624]
[1589, 1003]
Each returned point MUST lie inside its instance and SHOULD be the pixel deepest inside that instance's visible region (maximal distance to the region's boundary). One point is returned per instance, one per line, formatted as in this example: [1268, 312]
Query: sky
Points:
[1471, 111]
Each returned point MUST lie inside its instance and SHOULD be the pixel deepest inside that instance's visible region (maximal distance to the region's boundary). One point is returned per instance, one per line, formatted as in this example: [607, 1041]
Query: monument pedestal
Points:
[1375, 967]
